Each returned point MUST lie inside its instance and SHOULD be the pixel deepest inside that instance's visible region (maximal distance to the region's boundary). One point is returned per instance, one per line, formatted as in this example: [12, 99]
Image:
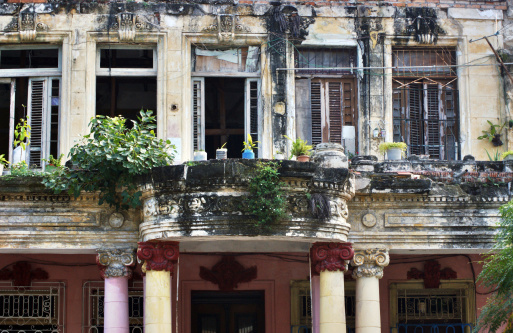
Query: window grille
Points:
[93, 307]
[38, 308]
[319, 60]
[432, 58]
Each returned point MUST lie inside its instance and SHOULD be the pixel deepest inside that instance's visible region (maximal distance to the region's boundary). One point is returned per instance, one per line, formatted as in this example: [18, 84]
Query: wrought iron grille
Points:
[38, 308]
[431, 306]
[322, 61]
[424, 62]
[433, 328]
[426, 117]
[93, 307]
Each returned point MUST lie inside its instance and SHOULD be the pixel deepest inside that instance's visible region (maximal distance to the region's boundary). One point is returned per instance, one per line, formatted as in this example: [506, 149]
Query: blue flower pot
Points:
[248, 154]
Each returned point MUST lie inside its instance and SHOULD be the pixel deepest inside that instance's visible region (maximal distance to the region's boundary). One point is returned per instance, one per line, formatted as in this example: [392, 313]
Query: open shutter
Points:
[37, 114]
[414, 114]
[451, 134]
[303, 116]
[251, 115]
[432, 100]
[334, 103]
[316, 111]
[198, 113]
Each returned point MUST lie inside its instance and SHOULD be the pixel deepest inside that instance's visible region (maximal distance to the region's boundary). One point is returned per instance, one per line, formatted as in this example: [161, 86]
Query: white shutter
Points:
[198, 113]
[252, 112]
[37, 119]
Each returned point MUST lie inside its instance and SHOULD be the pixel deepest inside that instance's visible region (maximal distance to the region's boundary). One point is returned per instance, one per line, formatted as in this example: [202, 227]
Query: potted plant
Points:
[52, 163]
[301, 149]
[394, 150]
[21, 141]
[507, 155]
[493, 135]
[3, 163]
[222, 153]
[200, 155]
[247, 151]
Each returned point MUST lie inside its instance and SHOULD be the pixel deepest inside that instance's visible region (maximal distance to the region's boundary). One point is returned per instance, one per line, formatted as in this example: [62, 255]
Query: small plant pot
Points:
[200, 156]
[303, 158]
[279, 156]
[508, 158]
[496, 141]
[394, 154]
[221, 153]
[1, 168]
[248, 154]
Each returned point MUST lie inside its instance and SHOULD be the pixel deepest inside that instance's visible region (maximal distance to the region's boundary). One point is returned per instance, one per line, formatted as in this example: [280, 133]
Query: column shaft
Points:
[116, 305]
[158, 302]
[316, 304]
[368, 319]
[332, 316]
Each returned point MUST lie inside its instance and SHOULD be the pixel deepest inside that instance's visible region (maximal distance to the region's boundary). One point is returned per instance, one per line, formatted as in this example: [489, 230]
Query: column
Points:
[159, 260]
[368, 269]
[116, 268]
[330, 261]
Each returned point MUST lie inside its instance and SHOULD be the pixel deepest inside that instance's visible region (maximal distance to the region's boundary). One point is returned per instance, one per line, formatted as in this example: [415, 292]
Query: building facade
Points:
[368, 245]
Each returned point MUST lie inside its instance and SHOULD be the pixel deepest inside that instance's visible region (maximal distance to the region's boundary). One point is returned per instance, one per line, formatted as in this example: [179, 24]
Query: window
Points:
[126, 81]
[225, 99]
[35, 308]
[449, 308]
[93, 293]
[425, 102]
[326, 97]
[301, 306]
[30, 87]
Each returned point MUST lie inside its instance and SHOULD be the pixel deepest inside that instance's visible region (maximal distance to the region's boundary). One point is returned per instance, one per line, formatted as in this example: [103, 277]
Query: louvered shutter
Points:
[37, 114]
[334, 103]
[252, 117]
[432, 103]
[303, 115]
[316, 103]
[198, 113]
[414, 114]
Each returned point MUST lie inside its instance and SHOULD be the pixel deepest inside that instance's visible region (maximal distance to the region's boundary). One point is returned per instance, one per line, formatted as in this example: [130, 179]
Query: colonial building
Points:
[367, 246]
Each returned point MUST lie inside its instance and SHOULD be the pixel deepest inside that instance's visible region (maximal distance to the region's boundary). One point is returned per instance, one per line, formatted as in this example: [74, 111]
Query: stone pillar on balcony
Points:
[368, 269]
[159, 260]
[330, 261]
[116, 268]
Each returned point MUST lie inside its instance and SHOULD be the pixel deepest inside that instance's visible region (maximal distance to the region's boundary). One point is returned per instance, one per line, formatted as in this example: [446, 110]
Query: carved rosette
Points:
[370, 262]
[158, 256]
[115, 262]
[330, 256]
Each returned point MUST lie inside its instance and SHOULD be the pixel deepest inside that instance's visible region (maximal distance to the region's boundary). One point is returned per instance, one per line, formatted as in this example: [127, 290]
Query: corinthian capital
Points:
[115, 262]
[330, 256]
[158, 256]
[370, 262]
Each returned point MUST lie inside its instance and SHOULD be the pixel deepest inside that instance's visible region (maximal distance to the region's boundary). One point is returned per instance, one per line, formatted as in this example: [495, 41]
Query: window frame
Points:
[125, 71]
[32, 72]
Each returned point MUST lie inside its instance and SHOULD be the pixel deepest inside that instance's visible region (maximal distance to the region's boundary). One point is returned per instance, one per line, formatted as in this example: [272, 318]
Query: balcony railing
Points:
[432, 328]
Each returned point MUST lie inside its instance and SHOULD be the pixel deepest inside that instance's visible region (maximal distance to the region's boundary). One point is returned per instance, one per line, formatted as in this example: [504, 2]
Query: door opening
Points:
[228, 312]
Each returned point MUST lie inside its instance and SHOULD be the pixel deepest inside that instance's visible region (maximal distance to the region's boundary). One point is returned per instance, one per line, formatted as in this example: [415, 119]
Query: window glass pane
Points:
[244, 59]
[126, 58]
[36, 58]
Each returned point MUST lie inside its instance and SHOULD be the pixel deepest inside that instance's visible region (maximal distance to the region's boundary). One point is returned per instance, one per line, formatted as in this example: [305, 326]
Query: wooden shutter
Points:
[198, 113]
[432, 103]
[303, 115]
[251, 114]
[334, 103]
[316, 103]
[37, 114]
[414, 114]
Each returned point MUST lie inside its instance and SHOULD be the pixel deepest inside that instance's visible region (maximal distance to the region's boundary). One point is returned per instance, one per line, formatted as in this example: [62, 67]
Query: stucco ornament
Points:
[150, 207]
[196, 205]
[330, 256]
[26, 24]
[115, 262]
[226, 26]
[116, 220]
[370, 262]
[158, 256]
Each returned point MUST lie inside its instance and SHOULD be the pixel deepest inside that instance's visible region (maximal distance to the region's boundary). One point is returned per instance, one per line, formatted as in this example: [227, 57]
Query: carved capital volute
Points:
[370, 262]
[116, 262]
[158, 256]
[330, 256]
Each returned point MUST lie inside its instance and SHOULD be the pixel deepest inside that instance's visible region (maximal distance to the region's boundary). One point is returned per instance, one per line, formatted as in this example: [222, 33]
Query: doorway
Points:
[228, 312]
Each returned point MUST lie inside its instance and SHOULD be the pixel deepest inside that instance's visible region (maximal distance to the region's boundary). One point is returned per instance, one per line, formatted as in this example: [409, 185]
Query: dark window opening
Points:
[35, 58]
[228, 312]
[322, 61]
[224, 115]
[126, 58]
[125, 96]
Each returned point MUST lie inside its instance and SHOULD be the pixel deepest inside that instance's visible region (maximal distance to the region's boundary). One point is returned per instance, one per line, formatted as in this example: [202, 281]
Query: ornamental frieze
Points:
[128, 24]
[27, 25]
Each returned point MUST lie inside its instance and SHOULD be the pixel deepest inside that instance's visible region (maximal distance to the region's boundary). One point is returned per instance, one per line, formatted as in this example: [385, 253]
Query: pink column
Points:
[116, 268]
[116, 318]
[316, 302]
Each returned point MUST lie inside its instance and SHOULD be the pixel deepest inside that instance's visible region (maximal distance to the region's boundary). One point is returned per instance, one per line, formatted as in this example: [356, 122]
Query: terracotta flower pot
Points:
[303, 158]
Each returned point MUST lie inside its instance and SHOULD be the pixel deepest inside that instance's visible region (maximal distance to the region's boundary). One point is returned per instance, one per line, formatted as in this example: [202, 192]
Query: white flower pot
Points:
[1, 168]
[200, 155]
[279, 156]
[221, 153]
[394, 154]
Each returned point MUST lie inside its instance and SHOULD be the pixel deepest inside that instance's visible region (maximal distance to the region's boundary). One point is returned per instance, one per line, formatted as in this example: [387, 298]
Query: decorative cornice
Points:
[115, 262]
[390, 197]
[158, 256]
[228, 273]
[370, 262]
[330, 256]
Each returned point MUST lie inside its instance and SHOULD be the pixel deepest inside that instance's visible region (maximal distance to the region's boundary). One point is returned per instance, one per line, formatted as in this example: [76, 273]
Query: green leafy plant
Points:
[266, 200]
[507, 153]
[21, 170]
[384, 146]
[22, 134]
[494, 157]
[54, 161]
[224, 144]
[110, 157]
[3, 160]
[299, 147]
[493, 135]
[497, 275]
[249, 145]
